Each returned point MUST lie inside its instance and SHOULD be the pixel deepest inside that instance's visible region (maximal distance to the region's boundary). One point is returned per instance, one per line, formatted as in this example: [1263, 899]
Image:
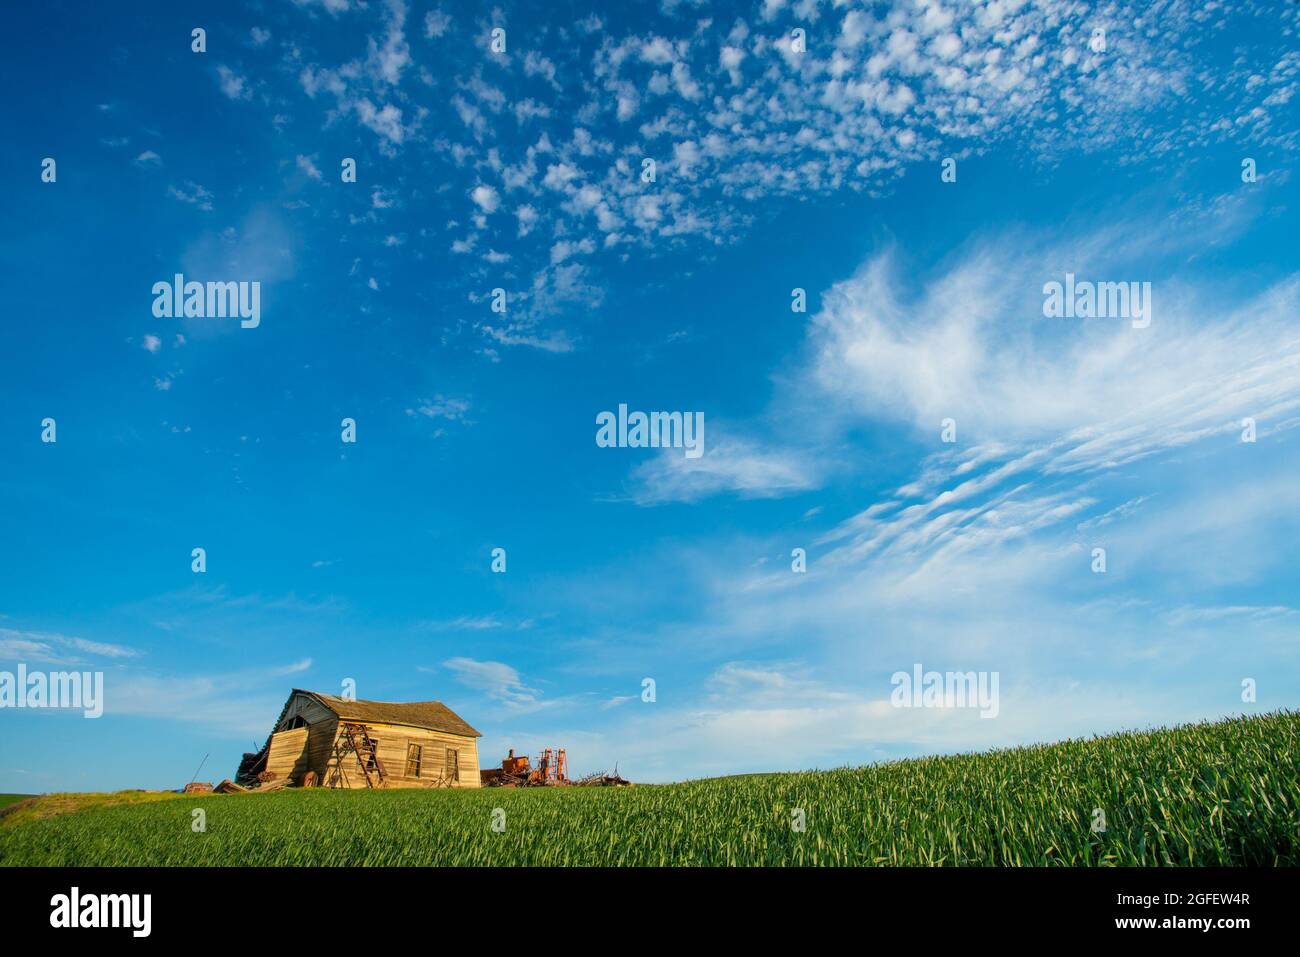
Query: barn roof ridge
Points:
[433, 715]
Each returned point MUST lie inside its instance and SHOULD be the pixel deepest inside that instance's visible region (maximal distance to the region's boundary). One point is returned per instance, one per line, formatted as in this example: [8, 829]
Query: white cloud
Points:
[57, 649]
[387, 59]
[307, 166]
[516, 335]
[563, 249]
[333, 6]
[435, 24]
[386, 120]
[292, 669]
[683, 83]
[485, 198]
[231, 703]
[465, 623]
[442, 407]
[193, 194]
[973, 345]
[735, 123]
[657, 50]
[729, 464]
[559, 176]
[232, 84]
[527, 218]
[497, 680]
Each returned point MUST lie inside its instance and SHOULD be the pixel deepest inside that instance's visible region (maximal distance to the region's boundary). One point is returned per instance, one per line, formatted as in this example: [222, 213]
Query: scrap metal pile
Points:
[552, 770]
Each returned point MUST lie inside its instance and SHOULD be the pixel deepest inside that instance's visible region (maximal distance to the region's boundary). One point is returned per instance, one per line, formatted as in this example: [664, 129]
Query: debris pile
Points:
[230, 787]
[603, 781]
[197, 787]
[552, 770]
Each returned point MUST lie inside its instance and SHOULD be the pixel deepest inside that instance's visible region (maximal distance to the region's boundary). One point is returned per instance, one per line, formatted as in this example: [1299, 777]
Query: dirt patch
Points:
[16, 806]
[52, 805]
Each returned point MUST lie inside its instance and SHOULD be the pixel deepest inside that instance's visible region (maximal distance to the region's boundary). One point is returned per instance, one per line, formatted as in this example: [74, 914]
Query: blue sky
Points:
[521, 170]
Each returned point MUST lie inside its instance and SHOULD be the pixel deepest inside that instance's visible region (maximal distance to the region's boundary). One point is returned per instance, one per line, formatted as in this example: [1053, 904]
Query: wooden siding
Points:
[293, 753]
[288, 753]
[311, 710]
[392, 747]
[320, 746]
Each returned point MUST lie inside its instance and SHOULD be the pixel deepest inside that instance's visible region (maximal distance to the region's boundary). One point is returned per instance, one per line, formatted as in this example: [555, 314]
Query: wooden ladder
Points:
[354, 739]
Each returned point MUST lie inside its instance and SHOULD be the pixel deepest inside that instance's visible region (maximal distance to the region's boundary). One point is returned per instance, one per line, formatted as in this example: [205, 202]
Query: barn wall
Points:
[312, 711]
[293, 753]
[320, 745]
[392, 749]
[288, 752]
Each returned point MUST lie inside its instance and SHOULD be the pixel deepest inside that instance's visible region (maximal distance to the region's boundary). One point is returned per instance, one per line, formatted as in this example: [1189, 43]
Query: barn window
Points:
[372, 757]
[452, 766]
[412, 760]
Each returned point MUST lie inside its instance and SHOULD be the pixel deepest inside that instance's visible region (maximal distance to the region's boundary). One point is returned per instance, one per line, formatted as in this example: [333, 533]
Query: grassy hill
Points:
[1222, 793]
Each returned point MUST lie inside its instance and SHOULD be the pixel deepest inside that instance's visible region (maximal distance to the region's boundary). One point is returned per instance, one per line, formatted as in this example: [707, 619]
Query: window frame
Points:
[418, 759]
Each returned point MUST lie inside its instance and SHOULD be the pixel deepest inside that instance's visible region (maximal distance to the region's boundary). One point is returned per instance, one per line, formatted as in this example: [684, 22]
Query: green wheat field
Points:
[1221, 793]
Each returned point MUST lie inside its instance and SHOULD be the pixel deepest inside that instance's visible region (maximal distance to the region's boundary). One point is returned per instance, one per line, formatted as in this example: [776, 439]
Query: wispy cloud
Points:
[473, 623]
[729, 464]
[307, 165]
[59, 649]
[232, 84]
[193, 194]
[973, 346]
[496, 679]
[450, 408]
[235, 703]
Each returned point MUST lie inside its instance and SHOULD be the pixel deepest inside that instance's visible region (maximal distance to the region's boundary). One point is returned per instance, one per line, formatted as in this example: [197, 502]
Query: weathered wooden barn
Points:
[333, 742]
